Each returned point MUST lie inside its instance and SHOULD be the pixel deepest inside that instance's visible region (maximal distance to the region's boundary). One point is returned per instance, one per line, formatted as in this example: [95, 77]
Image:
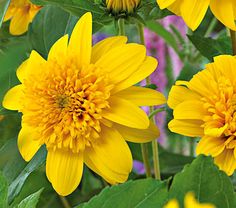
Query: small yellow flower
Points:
[81, 104]
[193, 11]
[205, 107]
[189, 202]
[21, 13]
[118, 6]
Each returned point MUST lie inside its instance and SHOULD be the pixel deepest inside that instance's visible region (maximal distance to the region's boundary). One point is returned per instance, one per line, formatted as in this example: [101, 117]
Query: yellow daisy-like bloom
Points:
[21, 13]
[193, 11]
[122, 5]
[205, 107]
[80, 102]
[189, 202]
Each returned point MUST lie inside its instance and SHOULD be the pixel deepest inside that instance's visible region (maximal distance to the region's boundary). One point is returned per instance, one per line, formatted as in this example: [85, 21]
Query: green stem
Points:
[144, 149]
[192, 146]
[233, 39]
[64, 202]
[156, 111]
[121, 26]
[211, 27]
[151, 109]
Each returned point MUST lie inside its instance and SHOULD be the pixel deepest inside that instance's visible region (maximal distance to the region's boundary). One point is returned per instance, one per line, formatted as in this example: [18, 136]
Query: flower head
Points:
[194, 11]
[189, 202]
[81, 104]
[21, 13]
[205, 107]
[118, 6]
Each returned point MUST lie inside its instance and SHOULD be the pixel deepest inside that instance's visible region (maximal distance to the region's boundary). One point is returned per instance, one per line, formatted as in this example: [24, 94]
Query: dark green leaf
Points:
[132, 194]
[31, 201]
[3, 191]
[207, 182]
[209, 47]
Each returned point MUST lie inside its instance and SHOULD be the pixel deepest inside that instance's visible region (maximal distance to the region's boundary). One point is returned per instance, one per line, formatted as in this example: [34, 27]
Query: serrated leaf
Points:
[30, 201]
[142, 193]
[3, 9]
[209, 184]
[3, 191]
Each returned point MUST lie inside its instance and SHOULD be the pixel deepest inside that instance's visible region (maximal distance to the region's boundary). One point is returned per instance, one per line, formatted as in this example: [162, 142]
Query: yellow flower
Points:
[189, 202]
[122, 5]
[205, 107]
[193, 11]
[21, 13]
[80, 102]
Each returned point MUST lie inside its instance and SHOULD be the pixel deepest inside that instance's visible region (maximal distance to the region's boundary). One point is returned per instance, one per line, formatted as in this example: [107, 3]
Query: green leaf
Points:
[3, 8]
[209, 184]
[165, 34]
[46, 29]
[3, 191]
[31, 201]
[132, 194]
[209, 47]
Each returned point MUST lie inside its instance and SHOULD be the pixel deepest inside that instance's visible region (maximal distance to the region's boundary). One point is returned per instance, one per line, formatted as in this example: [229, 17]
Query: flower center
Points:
[65, 105]
[221, 108]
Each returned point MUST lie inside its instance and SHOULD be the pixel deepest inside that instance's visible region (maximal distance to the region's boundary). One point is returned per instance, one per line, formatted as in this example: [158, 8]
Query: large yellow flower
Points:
[80, 102]
[189, 202]
[193, 11]
[21, 13]
[122, 5]
[205, 107]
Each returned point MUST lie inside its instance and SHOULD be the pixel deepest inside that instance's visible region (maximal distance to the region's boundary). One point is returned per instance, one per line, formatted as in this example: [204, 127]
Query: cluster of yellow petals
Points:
[21, 13]
[81, 103]
[118, 6]
[189, 202]
[194, 11]
[206, 107]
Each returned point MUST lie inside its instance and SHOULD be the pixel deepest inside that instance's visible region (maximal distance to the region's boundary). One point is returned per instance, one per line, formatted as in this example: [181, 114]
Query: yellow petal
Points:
[104, 46]
[80, 45]
[210, 146]
[13, 98]
[190, 109]
[126, 113]
[110, 156]
[191, 202]
[178, 94]
[122, 61]
[172, 204]
[175, 7]
[164, 3]
[64, 170]
[190, 128]
[59, 49]
[224, 11]
[28, 142]
[146, 68]
[193, 12]
[138, 135]
[142, 96]
[20, 72]
[226, 161]
[19, 23]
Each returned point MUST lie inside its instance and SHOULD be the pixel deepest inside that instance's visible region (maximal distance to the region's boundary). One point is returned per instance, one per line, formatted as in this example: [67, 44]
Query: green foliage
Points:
[140, 194]
[207, 182]
[3, 191]
[3, 8]
[31, 201]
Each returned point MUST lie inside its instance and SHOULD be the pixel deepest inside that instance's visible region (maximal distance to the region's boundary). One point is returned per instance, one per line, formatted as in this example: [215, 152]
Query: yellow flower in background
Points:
[21, 13]
[189, 202]
[122, 5]
[81, 103]
[193, 11]
[206, 107]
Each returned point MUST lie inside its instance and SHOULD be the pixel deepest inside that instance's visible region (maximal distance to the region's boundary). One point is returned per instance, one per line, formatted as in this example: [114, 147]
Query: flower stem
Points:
[151, 109]
[121, 26]
[144, 149]
[64, 202]
[233, 39]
